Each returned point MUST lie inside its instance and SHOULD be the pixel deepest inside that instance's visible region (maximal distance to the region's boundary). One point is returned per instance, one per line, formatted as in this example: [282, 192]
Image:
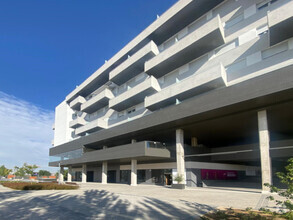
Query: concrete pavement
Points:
[118, 201]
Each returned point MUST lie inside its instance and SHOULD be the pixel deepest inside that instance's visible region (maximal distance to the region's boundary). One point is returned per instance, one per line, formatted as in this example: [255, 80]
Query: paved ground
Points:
[117, 201]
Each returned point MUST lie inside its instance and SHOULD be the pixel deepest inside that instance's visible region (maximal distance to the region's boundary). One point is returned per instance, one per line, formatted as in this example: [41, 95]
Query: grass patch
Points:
[38, 186]
[242, 215]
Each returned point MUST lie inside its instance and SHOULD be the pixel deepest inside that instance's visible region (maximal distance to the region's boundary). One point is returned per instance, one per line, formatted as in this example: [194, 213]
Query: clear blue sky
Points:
[49, 46]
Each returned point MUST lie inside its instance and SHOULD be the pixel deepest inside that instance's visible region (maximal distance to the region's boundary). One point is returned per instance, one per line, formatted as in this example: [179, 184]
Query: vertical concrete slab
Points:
[180, 154]
[133, 172]
[104, 172]
[69, 175]
[264, 147]
[83, 173]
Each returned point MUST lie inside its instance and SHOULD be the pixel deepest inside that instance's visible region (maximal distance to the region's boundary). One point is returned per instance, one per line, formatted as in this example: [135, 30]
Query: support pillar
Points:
[264, 147]
[104, 172]
[133, 172]
[69, 175]
[133, 141]
[61, 176]
[180, 154]
[83, 173]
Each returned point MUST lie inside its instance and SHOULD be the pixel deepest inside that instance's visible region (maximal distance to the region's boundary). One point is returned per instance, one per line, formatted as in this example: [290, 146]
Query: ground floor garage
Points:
[243, 149]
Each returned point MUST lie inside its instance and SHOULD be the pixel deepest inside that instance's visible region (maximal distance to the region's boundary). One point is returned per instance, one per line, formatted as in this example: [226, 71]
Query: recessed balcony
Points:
[92, 126]
[280, 23]
[135, 95]
[97, 102]
[194, 85]
[204, 39]
[133, 65]
[76, 123]
[76, 103]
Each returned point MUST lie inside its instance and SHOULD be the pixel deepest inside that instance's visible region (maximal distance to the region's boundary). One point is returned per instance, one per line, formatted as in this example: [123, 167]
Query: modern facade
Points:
[205, 92]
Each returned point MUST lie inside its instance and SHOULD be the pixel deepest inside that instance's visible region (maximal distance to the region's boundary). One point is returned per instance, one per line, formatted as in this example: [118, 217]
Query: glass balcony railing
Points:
[66, 156]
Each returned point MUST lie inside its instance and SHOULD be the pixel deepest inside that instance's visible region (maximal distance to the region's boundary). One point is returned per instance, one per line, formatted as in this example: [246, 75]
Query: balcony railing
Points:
[92, 126]
[134, 64]
[191, 86]
[135, 95]
[97, 102]
[202, 40]
[76, 123]
[76, 103]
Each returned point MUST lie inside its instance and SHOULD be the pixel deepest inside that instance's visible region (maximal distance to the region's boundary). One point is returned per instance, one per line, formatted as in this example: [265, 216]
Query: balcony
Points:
[194, 85]
[76, 103]
[133, 65]
[144, 150]
[280, 23]
[92, 126]
[76, 123]
[276, 58]
[97, 102]
[135, 95]
[204, 39]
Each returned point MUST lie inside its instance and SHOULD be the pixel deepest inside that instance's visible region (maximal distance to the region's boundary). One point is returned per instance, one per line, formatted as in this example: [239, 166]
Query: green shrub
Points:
[287, 179]
[179, 178]
[38, 186]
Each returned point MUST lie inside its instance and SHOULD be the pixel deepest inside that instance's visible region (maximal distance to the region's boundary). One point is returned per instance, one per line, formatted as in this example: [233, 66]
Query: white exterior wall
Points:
[247, 45]
[63, 115]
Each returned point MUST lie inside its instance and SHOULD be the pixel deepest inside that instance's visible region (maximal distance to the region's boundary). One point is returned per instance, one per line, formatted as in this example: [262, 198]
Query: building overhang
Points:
[255, 93]
[129, 151]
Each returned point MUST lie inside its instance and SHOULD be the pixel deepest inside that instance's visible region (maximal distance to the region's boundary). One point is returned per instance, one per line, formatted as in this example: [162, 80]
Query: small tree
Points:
[25, 170]
[19, 171]
[4, 171]
[29, 169]
[179, 178]
[44, 173]
[287, 179]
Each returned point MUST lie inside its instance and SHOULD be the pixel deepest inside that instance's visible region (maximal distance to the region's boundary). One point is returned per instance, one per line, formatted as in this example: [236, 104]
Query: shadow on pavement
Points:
[94, 204]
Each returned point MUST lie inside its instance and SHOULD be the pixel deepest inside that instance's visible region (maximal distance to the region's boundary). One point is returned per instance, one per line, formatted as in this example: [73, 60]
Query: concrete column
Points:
[133, 172]
[264, 147]
[133, 141]
[180, 154]
[194, 142]
[61, 176]
[83, 173]
[69, 175]
[104, 172]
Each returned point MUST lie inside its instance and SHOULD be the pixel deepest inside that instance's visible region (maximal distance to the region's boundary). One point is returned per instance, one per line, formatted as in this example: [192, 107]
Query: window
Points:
[265, 4]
